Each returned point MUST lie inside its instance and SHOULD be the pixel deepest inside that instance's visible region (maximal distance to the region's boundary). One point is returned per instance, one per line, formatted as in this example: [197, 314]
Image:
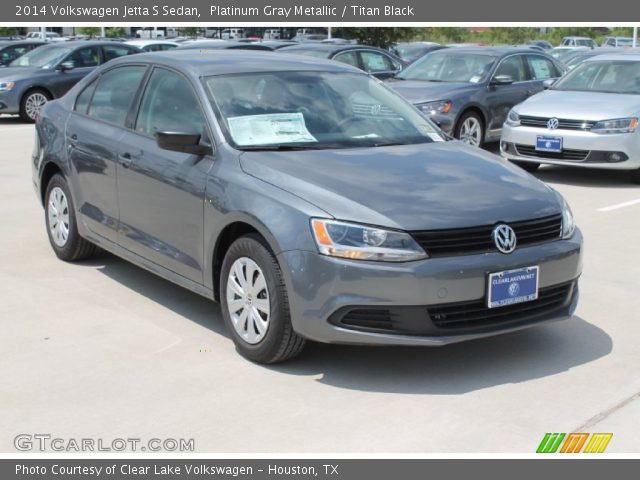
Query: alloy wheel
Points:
[34, 103]
[471, 132]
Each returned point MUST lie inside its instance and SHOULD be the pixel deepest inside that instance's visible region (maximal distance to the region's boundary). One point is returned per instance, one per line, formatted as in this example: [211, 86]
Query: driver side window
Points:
[513, 67]
[168, 104]
[85, 57]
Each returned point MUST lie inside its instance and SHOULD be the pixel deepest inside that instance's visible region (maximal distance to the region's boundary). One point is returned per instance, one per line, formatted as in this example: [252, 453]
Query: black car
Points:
[376, 61]
[469, 91]
[222, 45]
[49, 71]
[11, 50]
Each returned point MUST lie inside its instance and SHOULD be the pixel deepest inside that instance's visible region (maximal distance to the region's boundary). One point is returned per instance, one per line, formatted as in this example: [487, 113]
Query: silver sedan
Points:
[589, 118]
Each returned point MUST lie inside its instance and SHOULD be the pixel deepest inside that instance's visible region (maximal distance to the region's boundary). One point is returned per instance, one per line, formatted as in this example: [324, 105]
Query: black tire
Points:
[75, 247]
[457, 133]
[280, 342]
[24, 113]
[528, 166]
[635, 176]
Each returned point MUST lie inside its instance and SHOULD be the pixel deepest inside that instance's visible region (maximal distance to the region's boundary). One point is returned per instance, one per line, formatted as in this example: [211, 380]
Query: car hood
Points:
[409, 187]
[21, 73]
[580, 105]
[417, 91]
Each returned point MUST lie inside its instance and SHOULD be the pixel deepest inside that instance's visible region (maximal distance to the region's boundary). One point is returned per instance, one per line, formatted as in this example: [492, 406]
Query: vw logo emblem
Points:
[505, 238]
[552, 123]
[514, 289]
[376, 109]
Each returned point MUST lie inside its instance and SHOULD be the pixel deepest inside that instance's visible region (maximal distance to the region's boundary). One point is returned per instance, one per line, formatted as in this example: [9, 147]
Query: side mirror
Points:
[66, 66]
[184, 142]
[548, 83]
[502, 80]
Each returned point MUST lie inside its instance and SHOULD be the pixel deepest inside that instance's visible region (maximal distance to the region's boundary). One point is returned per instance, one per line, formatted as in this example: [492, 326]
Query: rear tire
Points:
[255, 305]
[635, 176]
[60, 220]
[31, 103]
[528, 166]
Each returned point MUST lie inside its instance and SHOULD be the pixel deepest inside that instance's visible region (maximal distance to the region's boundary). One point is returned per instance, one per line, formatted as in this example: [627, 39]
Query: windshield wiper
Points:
[282, 148]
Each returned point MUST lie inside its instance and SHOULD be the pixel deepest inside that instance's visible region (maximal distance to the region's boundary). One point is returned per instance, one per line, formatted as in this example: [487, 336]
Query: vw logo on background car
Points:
[552, 123]
[505, 238]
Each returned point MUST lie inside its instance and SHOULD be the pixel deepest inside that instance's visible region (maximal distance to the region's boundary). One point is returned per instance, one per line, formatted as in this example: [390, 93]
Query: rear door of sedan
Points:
[161, 192]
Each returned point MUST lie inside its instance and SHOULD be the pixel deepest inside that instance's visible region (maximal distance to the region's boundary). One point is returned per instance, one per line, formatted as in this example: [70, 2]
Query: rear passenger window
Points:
[169, 103]
[115, 51]
[114, 93]
[541, 68]
[350, 58]
[82, 101]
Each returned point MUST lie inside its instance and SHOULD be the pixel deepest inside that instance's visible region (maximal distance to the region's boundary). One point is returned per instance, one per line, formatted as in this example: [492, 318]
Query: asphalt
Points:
[102, 349]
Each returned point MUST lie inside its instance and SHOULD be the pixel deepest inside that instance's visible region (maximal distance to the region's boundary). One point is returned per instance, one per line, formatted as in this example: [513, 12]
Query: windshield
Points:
[314, 110]
[613, 76]
[450, 67]
[42, 57]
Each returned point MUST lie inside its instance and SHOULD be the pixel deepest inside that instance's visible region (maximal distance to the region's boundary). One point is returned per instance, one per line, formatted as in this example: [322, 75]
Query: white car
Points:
[588, 118]
[153, 45]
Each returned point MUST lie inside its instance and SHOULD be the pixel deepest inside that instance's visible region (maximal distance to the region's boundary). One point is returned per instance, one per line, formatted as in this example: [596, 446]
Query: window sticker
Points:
[268, 129]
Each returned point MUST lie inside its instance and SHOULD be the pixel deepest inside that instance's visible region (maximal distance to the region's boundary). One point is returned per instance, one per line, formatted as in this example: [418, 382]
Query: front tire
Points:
[61, 223]
[527, 166]
[31, 104]
[470, 129]
[255, 305]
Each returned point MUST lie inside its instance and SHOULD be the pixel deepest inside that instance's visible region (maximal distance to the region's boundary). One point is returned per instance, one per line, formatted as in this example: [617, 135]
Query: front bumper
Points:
[10, 101]
[580, 148]
[321, 289]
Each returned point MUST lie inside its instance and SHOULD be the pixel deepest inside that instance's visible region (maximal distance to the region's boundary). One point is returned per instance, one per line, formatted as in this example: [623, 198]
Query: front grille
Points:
[563, 124]
[368, 318]
[565, 154]
[477, 314]
[466, 241]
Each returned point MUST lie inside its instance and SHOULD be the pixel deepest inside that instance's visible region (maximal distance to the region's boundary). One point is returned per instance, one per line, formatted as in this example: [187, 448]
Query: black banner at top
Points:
[329, 11]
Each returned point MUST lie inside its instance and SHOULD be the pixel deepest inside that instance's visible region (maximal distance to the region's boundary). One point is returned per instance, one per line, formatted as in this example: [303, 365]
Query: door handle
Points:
[125, 160]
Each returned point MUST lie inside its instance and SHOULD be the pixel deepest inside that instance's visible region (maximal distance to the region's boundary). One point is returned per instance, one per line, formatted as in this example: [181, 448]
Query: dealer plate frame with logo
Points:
[501, 291]
[545, 143]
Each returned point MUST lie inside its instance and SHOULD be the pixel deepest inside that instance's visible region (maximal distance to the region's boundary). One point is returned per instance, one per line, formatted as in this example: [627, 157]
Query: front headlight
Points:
[432, 108]
[568, 224]
[513, 119]
[359, 242]
[6, 86]
[617, 125]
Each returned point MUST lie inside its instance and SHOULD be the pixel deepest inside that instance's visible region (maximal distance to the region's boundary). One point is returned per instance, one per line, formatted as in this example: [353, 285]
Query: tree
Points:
[382, 37]
[114, 32]
[90, 31]
[7, 31]
[190, 32]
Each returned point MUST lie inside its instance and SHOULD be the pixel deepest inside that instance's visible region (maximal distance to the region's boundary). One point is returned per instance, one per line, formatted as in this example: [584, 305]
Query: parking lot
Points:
[103, 349]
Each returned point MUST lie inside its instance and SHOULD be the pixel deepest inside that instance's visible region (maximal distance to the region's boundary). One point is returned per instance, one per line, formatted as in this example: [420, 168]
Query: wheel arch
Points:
[48, 171]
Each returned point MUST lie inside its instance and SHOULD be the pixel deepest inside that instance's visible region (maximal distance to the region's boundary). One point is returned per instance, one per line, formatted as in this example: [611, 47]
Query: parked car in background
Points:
[617, 42]
[468, 92]
[588, 119]
[12, 50]
[49, 36]
[153, 45]
[309, 37]
[581, 56]
[307, 198]
[277, 44]
[49, 71]
[222, 45]
[409, 52]
[376, 61]
[564, 54]
[578, 42]
[542, 44]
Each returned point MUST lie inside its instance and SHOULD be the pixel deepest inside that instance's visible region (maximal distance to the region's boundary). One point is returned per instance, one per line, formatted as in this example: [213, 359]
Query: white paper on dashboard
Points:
[268, 129]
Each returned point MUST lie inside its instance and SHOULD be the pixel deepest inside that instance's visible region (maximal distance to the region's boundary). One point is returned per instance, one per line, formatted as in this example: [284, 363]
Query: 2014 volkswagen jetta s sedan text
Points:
[310, 200]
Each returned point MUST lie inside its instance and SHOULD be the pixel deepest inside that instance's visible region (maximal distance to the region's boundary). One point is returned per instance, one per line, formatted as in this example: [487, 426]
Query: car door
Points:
[378, 64]
[93, 134]
[502, 97]
[540, 69]
[84, 61]
[161, 192]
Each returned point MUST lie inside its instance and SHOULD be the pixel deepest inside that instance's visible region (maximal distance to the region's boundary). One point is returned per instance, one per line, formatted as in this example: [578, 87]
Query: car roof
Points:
[139, 42]
[82, 43]
[220, 62]
[222, 44]
[626, 55]
[496, 51]
[5, 43]
[329, 47]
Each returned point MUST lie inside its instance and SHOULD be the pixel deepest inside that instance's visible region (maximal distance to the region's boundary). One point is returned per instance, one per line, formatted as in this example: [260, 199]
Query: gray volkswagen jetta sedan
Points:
[309, 199]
